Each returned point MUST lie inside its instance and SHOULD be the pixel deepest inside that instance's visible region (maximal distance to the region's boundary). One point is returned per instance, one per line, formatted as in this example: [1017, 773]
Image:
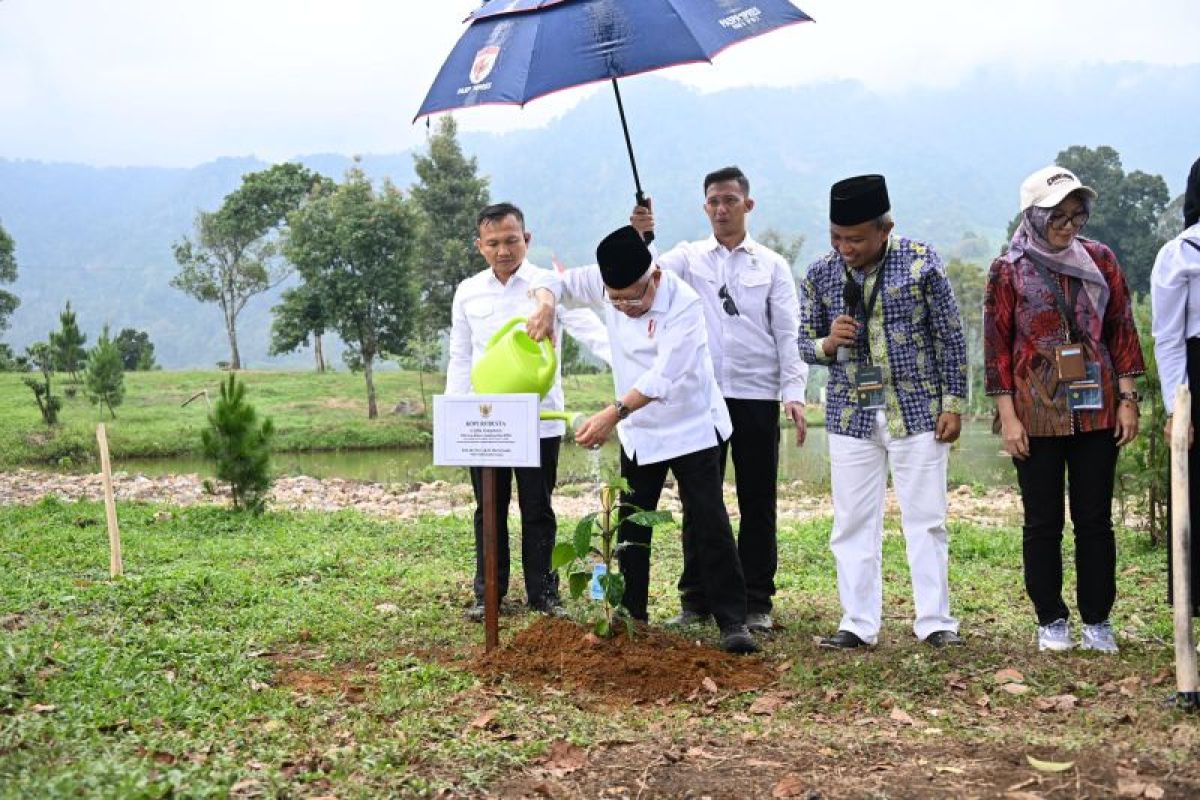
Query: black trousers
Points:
[538, 525]
[755, 446]
[1090, 461]
[1193, 372]
[698, 477]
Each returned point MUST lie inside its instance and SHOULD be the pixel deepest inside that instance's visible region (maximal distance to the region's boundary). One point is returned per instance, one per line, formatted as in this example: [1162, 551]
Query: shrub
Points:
[240, 446]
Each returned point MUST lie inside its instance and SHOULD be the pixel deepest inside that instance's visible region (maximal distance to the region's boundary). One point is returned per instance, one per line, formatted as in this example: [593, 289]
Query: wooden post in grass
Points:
[491, 589]
[115, 567]
[1186, 680]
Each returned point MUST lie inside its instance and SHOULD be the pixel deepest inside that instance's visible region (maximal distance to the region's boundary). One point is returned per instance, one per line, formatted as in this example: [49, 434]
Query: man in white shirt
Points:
[1175, 311]
[752, 315]
[482, 304]
[669, 415]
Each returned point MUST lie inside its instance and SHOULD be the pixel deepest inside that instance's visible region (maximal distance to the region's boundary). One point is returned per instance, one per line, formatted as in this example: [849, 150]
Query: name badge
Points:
[1087, 394]
[1069, 360]
[868, 383]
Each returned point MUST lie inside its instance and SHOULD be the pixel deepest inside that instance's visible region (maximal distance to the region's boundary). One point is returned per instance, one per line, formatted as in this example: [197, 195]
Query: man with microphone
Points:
[879, 312]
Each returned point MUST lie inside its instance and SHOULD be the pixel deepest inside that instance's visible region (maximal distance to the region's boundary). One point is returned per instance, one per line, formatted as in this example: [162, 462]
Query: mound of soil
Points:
[651, 666]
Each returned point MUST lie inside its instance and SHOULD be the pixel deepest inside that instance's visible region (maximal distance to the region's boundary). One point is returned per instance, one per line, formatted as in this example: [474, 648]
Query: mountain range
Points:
[953, 157]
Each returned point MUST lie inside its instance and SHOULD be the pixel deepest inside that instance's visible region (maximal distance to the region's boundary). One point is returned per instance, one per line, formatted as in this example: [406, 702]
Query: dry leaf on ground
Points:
[791, 785]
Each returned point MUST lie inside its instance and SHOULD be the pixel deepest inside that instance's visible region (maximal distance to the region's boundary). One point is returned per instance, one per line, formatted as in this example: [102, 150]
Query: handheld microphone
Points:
[852, 298]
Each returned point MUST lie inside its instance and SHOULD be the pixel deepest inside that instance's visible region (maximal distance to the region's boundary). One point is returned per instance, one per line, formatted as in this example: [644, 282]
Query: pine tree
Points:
[42, 358]
[67, 344]
[105, 377]
[241, 447]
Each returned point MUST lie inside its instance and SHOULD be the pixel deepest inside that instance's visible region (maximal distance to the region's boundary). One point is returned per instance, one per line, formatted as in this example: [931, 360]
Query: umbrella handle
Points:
[641, 199]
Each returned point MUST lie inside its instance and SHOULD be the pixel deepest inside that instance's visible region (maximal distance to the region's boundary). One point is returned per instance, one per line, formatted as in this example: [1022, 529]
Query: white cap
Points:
[1047, 187]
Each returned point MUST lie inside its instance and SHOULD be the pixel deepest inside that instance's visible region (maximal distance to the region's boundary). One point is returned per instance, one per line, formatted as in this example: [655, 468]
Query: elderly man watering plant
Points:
[668, 415]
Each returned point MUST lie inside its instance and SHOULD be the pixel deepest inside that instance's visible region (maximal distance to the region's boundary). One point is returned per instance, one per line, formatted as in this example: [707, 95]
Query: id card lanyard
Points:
[1067, 312]
[869, 305]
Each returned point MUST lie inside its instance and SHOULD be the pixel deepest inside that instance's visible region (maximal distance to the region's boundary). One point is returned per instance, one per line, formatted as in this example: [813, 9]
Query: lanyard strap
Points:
[1067, 311]
[869, 305]
[1193, 244]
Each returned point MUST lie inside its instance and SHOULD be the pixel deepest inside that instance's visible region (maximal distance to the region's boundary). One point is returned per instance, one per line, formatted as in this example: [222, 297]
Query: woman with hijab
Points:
[1061, 354]
[1175, 301]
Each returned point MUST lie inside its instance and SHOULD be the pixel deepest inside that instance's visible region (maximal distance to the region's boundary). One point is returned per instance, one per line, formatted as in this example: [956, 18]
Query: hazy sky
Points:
[179, 82]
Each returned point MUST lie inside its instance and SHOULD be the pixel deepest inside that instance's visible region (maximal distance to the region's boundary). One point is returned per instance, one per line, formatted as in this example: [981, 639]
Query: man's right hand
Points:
[842, 333]
[642, 220]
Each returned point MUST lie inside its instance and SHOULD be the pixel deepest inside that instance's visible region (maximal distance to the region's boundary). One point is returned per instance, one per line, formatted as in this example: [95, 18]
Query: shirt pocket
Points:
[753, 295]
[478, 310]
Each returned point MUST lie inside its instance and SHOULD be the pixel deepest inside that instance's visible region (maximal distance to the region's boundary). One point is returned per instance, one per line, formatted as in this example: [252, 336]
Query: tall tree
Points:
[449, 195]
[787, 246]
[1127, 211]
[353, 246]
[300, 316]
[8, 274]
[233, 257]
[137, 351]
[105, 378]
[67, 344]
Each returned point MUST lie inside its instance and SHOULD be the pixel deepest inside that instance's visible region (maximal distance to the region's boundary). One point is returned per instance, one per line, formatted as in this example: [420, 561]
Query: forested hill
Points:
[954, 158]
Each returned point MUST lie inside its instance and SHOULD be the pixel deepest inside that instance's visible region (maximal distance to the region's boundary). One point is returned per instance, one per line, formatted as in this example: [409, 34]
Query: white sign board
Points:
[486, 430]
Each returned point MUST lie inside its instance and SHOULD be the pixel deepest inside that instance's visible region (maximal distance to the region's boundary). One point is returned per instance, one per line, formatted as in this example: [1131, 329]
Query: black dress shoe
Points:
[737, 639]
[944, 639]
[842, 640]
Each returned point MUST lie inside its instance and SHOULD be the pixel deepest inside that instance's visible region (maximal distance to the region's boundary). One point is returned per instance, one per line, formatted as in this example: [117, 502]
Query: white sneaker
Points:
[1055, 636]
[1099, 637]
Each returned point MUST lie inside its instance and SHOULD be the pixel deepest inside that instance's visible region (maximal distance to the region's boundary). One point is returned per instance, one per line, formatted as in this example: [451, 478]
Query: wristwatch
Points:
[622, 409]
[1132, 396]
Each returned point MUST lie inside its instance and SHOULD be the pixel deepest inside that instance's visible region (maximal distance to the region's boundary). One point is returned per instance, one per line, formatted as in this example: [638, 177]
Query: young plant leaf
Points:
[579, 583]
[564, 553]
[649, 518]
[583, 535]
[614, 588]
[602, 629]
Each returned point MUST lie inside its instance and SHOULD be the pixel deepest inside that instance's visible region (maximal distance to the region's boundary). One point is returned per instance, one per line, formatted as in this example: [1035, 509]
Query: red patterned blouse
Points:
[1022, 326]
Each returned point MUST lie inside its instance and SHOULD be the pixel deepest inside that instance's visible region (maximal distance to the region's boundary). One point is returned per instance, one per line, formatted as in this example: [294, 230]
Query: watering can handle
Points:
[505, 328]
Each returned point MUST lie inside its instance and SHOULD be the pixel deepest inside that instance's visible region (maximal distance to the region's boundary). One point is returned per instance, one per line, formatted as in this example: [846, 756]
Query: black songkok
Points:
[623, 258]
[859, 199]
[1191, 198]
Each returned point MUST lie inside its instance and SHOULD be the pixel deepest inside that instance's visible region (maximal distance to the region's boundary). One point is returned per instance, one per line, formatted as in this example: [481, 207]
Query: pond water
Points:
[975, 459]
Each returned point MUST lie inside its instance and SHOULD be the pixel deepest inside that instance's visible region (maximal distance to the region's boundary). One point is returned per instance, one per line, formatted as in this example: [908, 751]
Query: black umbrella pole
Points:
[640, 197]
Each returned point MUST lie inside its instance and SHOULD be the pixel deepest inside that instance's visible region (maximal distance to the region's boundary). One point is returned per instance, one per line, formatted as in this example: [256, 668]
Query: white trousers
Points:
[858, 469]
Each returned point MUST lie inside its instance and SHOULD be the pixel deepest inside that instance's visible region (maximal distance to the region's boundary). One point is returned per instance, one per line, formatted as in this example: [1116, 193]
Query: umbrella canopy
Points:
[515, 51]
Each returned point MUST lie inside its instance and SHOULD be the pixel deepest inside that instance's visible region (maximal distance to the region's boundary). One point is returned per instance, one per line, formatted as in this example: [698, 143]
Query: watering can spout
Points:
[572, 418]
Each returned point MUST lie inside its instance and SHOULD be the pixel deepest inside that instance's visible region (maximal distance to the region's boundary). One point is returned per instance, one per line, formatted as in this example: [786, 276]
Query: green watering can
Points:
[513, 363]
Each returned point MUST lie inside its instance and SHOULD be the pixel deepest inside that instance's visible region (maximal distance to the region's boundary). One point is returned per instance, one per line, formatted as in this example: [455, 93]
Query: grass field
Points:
[310, 411]
[245, 657]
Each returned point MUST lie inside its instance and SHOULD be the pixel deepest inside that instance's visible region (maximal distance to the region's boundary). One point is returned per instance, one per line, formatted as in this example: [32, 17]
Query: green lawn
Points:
[181, 678]
[311, 412]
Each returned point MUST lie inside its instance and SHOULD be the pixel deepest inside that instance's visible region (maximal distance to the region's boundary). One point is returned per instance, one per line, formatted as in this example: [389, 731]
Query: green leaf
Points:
[583, 534]
[579, 583]
[650, 518]
[602, 629]
[614, 588]
[564, 553]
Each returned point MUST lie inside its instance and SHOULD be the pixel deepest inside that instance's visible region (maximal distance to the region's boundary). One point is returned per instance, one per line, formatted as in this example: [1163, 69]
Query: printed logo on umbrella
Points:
[485, 60]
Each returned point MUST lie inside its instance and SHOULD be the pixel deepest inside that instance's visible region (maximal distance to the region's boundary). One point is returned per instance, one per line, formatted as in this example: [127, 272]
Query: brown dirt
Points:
[651, 667]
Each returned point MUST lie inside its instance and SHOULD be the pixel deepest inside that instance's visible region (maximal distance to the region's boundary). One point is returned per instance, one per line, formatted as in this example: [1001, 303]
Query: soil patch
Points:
[652, 666]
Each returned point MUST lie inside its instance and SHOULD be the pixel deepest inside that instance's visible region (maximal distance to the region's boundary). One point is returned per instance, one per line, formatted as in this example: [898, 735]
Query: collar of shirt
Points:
[521, 274]
[747, 244]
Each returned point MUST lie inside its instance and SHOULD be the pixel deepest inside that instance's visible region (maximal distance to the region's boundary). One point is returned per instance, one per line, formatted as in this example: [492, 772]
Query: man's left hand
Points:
[540, 324]
[595, 431]
[795, 412]
[949, 426]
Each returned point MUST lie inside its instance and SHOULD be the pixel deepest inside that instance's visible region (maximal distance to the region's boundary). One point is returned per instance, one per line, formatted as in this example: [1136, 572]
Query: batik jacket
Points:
[915, 335]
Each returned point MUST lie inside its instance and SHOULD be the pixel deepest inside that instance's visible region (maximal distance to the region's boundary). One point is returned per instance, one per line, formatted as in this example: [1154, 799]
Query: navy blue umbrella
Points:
[515, 51]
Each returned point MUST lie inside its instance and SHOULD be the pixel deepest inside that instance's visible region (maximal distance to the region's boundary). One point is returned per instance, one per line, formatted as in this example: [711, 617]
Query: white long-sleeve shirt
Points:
[755, 353]
[482, 304]
[664, 355]
[1175, 309]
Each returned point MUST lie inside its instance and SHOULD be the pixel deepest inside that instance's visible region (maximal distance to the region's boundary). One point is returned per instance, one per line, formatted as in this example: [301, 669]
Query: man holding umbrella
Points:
[878, 310]
[750, 311]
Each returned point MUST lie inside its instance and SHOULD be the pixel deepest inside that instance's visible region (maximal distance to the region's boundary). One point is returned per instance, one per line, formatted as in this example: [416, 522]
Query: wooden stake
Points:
[1186, 680]
[491, 588]
[115, 567]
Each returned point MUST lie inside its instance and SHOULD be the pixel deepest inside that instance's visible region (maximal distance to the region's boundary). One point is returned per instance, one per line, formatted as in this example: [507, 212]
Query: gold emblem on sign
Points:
[485, 410]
